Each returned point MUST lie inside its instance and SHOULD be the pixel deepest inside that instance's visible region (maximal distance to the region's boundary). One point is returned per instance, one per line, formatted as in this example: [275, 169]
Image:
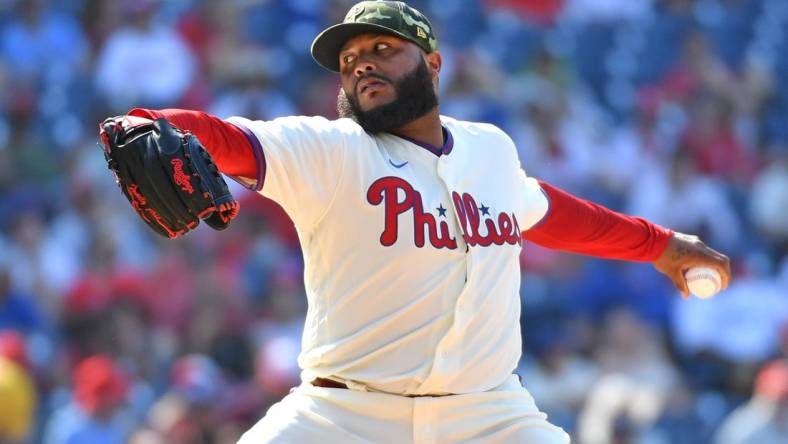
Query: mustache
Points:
[370, 75]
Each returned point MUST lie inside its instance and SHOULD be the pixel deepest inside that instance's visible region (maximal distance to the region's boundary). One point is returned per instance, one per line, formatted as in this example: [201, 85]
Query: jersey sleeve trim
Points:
[547, 212]
[259, 156]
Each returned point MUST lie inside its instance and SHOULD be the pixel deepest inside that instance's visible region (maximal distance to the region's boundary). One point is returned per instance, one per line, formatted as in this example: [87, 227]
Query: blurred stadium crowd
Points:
[675, 110]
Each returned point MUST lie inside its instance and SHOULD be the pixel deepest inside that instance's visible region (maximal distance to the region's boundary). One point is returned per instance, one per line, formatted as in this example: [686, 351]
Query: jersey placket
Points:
[447, 360]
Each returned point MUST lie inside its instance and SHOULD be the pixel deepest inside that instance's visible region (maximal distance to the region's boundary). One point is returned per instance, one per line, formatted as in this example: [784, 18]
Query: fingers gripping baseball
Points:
[687, 251]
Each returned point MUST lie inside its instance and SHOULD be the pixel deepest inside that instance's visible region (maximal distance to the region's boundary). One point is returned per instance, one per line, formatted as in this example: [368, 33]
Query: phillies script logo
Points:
[500, 230]
[180, 177]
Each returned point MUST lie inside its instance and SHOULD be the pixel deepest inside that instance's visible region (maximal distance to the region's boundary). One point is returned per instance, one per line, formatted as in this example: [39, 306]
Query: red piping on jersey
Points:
[579, 226]
[259, 155]
[549, 208]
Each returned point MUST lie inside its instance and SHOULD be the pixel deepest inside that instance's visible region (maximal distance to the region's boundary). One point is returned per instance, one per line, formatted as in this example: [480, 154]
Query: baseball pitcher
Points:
[411, 225]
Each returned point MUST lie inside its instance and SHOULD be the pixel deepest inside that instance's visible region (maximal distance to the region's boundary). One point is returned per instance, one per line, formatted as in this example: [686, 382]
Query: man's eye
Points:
[347, 59]
[381, 46]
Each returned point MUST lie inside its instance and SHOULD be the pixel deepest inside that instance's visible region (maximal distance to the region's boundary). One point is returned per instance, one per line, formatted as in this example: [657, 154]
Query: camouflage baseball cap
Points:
[377, 17]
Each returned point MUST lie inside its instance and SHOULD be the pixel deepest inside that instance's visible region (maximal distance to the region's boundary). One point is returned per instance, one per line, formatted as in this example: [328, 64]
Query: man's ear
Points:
[434, 63]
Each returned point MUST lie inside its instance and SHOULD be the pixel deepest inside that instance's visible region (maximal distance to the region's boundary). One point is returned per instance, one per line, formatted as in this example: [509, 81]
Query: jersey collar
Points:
[448, 143]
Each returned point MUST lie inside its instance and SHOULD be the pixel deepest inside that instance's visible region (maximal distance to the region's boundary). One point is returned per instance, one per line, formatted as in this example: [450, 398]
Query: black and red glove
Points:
[166, 174]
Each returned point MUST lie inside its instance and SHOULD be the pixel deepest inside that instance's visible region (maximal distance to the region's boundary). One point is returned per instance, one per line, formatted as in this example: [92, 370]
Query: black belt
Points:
[330, 383]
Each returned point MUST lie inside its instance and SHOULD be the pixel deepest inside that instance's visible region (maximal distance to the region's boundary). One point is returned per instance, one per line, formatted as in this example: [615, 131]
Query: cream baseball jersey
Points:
[411, 252]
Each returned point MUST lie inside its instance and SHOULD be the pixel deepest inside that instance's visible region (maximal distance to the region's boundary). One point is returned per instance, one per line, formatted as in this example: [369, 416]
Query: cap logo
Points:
[420, 32]
[410, 21]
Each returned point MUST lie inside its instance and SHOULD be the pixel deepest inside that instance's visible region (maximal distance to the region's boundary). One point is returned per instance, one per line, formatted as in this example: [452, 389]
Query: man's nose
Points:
[363, 67]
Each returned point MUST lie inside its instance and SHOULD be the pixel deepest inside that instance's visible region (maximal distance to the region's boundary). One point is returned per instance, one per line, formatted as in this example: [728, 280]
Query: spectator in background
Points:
[278, 330]
[241, 71]
[31, 268]
[190, 413]
[471, 85]
[44, 52]
[711, 140]
[39, 42]
[681, 419]
[26, 146]
[557, 128]
[699, 71]
[618, 410]
[18, 395]
[554, 142]
[680, 197]
[18, 311]
[559, 377]
[88, 304]
[252, 94]
[711, 94]
[629, 346]
[764, 418]
[144, 62]
[637, 379]
[769, 201]
[640, 148]
[95, 415]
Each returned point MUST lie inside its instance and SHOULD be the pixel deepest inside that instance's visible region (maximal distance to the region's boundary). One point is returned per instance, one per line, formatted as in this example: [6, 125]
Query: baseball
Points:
[703, 282]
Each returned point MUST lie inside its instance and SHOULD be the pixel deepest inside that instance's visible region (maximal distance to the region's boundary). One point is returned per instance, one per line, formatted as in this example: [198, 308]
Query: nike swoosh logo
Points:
[398, 166]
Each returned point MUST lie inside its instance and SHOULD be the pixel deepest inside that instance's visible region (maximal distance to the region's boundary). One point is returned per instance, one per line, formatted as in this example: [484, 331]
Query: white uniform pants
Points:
[318, 415]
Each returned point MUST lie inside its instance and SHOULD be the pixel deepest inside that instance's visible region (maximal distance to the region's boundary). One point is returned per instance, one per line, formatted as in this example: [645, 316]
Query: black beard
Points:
[415, 97]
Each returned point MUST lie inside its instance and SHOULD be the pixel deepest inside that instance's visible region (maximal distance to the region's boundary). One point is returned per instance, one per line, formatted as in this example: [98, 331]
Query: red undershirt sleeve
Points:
[579, 226]
[235, 152]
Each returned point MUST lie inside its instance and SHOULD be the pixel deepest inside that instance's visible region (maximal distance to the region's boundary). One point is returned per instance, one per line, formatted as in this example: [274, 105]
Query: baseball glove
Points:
[166, 174]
